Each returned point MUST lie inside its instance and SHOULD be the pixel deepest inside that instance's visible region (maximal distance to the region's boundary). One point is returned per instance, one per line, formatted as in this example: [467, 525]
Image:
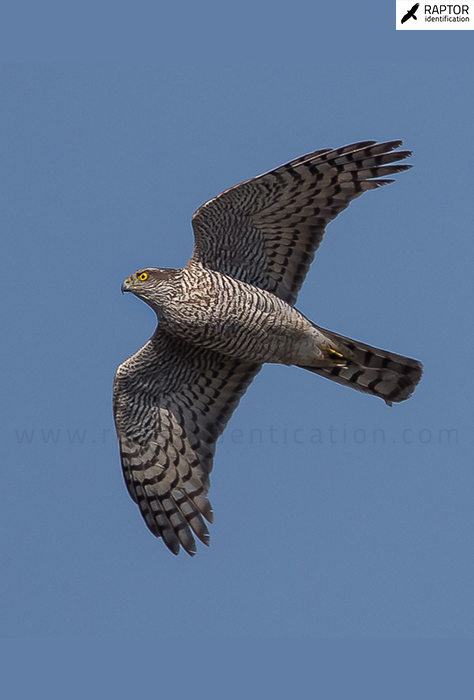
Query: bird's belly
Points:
[244, 332]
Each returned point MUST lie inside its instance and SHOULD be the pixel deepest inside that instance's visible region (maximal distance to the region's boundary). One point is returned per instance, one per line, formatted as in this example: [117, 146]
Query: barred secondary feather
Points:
[229, 311]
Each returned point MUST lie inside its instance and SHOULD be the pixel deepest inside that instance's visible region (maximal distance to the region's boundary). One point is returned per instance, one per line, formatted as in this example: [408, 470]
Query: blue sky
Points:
[335, 516]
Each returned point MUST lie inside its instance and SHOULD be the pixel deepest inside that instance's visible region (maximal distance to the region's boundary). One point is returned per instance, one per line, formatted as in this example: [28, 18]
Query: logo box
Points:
[416, 16]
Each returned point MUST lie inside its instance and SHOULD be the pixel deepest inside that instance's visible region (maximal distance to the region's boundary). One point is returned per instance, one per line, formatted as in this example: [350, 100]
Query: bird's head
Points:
[153, 285]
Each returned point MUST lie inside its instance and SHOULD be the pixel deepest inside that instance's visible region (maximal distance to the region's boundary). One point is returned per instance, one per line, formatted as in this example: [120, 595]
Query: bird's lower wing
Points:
[172, 400]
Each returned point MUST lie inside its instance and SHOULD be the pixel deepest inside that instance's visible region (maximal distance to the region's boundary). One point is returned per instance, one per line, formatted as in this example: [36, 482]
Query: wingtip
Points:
[189, 547]
[382, 183]
[209, 515]
[392, 145]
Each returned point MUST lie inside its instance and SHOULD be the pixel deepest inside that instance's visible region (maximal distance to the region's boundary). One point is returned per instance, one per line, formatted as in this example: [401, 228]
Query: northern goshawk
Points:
[225, 314]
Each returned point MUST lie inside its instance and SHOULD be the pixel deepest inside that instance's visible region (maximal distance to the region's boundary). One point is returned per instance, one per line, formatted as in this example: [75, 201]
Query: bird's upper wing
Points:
[171, 402]
[265, 231]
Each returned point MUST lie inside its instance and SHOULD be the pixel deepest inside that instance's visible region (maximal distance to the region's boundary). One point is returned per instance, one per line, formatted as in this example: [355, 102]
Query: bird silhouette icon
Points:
[411, 13]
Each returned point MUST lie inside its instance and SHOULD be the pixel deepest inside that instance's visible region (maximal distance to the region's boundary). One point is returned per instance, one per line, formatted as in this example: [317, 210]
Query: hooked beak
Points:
[126, 286]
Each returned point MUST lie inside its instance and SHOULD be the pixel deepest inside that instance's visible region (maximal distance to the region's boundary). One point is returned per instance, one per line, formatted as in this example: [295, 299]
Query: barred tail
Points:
[378, 372]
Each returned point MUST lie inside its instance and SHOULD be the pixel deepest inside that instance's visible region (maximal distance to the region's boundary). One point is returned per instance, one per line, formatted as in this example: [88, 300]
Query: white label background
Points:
[420, 24]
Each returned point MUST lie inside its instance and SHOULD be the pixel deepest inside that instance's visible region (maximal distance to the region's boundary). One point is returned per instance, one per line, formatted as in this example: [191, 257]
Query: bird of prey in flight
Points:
[411, 13]
[229, 311]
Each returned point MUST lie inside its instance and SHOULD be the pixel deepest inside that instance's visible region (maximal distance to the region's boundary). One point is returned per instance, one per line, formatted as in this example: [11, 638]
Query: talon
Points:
[336, 357]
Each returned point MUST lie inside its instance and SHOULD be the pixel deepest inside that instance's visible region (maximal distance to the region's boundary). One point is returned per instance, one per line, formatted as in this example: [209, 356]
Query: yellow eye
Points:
[143, 276]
